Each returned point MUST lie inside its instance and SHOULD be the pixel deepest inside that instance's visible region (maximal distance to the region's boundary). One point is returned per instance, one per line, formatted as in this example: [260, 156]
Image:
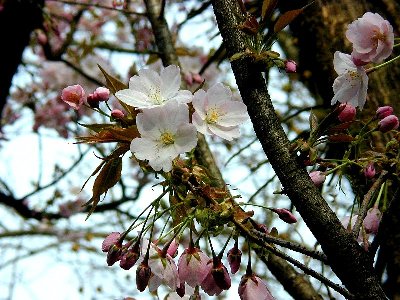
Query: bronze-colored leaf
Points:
[340, 138]
[340, 127]
[97, 127]
[113, 84]
[313, 120]
[286, 19]
[240, 215]
[268, 7]
[109, 175]
[112, 134]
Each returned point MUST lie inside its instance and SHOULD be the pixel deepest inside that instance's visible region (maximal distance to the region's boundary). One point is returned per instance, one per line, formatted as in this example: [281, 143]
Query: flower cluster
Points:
[372, 39]
[164, 120]
[195, 269]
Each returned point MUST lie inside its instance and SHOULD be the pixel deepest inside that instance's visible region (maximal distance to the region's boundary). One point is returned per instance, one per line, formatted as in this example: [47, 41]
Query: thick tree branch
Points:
[348, 260]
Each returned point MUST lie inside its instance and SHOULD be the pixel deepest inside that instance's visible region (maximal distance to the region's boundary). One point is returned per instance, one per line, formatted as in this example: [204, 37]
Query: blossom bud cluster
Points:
[75, 96]
[194, 269]
[372, 39]
[388, 121]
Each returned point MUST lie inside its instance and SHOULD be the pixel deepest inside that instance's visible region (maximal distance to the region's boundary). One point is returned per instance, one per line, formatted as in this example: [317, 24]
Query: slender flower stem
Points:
[370, 70]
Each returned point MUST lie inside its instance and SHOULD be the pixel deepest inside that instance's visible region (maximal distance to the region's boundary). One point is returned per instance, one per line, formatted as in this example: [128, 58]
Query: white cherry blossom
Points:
[352, 83]
[150, 89]
[216, 112]
[165, 133]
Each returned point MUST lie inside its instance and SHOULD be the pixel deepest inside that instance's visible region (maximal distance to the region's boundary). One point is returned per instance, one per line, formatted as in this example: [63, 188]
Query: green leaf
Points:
[113, 84]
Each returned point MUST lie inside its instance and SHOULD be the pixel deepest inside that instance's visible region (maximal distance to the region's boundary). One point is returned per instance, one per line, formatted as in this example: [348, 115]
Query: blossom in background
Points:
[74, 96]
[150, 89]
[372, 220]
[216, 112]
[290, 66]
[352, 83]
[372, 38]
[251, 287]
[165, 133]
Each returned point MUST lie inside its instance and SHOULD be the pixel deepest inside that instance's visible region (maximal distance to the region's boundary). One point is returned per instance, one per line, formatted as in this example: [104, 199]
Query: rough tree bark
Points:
[319, 33]
[18, 19]
[348, 260]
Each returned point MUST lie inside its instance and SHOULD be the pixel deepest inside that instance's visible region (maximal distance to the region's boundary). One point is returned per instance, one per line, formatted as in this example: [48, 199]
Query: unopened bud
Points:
[234, 259]
[347, 112]
[130, 257]
[102, 94]
[369, 171]
[110, 240]
[388, 123]
[317, 177]
[117, 114]
[221, 276]
[114, 254]
[143, 274]
[384, 111]
[290, 66]
[285, 215]
[92, 101]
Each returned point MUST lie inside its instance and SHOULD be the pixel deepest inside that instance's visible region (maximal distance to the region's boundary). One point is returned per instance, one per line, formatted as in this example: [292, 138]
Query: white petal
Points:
[227, 133]
[186, 138]
[170, 81]
[197, 121]
[143, 149]
[236, 114]
[343, 63]
[219, 93]
[199, 103]
[150, 78]
[183, 96]
[133, 98]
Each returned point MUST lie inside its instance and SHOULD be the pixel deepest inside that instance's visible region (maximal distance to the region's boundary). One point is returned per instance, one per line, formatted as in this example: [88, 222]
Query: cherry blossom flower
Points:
[251, 287]
[150, 89]
[192, 266]
[352, 83]
[165, 133]
[217, 278]
[372, 38]
[216, 112]
[73, 95]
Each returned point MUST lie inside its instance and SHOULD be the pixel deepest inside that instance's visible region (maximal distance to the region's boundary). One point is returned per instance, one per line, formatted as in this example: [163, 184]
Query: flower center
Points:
[155, 95]
[167, 138]
[213, 116]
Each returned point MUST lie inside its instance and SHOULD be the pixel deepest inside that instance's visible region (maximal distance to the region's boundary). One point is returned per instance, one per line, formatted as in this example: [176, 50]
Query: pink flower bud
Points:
[73, 95]
[220, 275]
[369, 171]
[347, 112]
[317, 177]
[102, 94]
[197, 78]
[130, 257]
[388, 123]
[117, 114]
[285, 215]
[173, 248]
[234, 258]
[110, 240]
[372, 220]
[384, 111]
[143, 273]
[92, 101]
[114, 254]
[192, 266]
[290, 66]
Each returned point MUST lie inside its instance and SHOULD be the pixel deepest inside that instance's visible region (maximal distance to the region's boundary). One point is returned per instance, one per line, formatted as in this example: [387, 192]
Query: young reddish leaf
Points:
[286, 19]
[267, 8]
[340, 138]
[97, 127]
[109, 175]
[113, 84]
[340, 127]
[109, 135]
